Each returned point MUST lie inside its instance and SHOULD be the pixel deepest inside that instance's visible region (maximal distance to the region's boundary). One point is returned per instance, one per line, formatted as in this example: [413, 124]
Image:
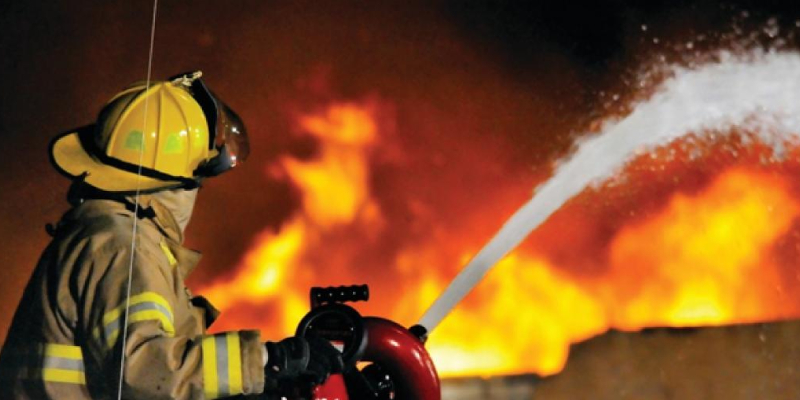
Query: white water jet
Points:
[759, 92]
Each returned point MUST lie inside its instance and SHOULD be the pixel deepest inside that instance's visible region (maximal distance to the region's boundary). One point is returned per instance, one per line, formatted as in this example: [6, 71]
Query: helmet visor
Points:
[231, 133]
[227, 133]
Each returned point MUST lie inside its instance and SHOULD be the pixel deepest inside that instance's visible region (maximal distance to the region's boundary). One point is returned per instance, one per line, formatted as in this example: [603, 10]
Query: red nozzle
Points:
[402, 355]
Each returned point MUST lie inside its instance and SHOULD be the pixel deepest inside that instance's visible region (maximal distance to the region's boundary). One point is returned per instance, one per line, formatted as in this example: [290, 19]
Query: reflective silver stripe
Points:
[112, 327]
[62, 363]
[222, 365]
[223, 381]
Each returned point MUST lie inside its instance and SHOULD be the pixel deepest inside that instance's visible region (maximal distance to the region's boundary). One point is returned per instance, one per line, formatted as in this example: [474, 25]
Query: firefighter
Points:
[108, 299]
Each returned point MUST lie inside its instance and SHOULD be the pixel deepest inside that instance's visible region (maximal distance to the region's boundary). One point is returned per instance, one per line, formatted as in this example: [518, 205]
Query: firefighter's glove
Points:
[301, 360]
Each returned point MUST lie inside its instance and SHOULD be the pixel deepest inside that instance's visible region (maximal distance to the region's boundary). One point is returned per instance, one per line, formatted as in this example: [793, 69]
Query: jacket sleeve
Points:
[159, 363]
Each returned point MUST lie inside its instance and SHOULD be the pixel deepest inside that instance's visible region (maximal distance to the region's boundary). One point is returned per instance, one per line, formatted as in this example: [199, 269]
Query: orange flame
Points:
[703, 260]
[524, 321]
[335, 192]
[699, 259]
[334, 186]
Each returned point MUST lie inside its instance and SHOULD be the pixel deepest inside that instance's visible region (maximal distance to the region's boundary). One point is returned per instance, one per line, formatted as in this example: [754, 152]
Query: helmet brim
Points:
[71, 159]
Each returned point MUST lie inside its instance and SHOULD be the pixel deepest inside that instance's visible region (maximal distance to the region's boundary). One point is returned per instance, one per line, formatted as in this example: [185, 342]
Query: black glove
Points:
[302, 360]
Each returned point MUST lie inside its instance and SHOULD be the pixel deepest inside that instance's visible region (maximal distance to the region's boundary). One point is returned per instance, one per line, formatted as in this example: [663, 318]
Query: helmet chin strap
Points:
[136, 209]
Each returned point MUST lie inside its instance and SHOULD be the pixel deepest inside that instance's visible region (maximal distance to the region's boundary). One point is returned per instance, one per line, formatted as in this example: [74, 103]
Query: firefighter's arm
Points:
[159, 362]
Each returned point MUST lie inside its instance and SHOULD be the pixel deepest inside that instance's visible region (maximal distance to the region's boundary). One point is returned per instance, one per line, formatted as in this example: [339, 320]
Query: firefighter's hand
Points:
[302, 360]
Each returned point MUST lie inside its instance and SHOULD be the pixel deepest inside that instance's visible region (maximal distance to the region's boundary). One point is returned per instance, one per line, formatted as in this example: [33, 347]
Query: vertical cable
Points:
[136, 204]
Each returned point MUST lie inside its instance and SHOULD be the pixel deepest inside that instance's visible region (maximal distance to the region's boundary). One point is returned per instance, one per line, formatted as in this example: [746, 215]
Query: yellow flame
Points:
[346, 124]
[695, 262]
[522, 318]
[334, 184]
[263, 270]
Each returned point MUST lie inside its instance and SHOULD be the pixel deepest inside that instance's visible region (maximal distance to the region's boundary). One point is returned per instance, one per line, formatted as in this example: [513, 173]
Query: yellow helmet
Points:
[168, 135]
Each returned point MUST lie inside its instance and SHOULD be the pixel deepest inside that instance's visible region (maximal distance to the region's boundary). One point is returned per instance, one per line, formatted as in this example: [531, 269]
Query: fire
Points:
[335, 192]
[264, 269]
[524, 319]
[704, 259]
[334, 186]
[704, 256]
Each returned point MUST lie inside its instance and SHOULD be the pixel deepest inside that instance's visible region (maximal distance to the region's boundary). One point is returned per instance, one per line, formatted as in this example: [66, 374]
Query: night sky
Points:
[517, 79]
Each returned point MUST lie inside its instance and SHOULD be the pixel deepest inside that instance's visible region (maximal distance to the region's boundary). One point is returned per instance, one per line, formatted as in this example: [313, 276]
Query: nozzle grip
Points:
[338, 294]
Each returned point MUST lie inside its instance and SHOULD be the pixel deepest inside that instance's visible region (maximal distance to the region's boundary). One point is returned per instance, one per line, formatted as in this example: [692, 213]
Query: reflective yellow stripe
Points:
[146, 306]
[146, 315]
[210, 386]
[63, 351]
[63, 376]
[167, 252]
[139, 298]
[63, 364]
[222, 365]
[234, 363]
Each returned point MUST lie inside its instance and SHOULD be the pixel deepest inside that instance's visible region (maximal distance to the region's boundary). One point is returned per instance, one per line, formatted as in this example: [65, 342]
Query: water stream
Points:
[758, 91]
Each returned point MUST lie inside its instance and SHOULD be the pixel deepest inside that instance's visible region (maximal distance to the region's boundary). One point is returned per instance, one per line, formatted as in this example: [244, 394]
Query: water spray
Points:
[759, 92]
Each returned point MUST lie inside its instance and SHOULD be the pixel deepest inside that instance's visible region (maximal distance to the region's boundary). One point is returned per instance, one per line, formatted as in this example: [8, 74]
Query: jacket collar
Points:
[163, 218]
[165, 222]
[150, 209]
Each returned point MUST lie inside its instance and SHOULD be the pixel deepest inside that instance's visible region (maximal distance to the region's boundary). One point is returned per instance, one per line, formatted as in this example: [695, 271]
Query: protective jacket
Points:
[66, 339]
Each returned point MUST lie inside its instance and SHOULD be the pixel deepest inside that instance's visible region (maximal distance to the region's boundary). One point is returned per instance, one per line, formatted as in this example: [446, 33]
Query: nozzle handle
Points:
[338, 294]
